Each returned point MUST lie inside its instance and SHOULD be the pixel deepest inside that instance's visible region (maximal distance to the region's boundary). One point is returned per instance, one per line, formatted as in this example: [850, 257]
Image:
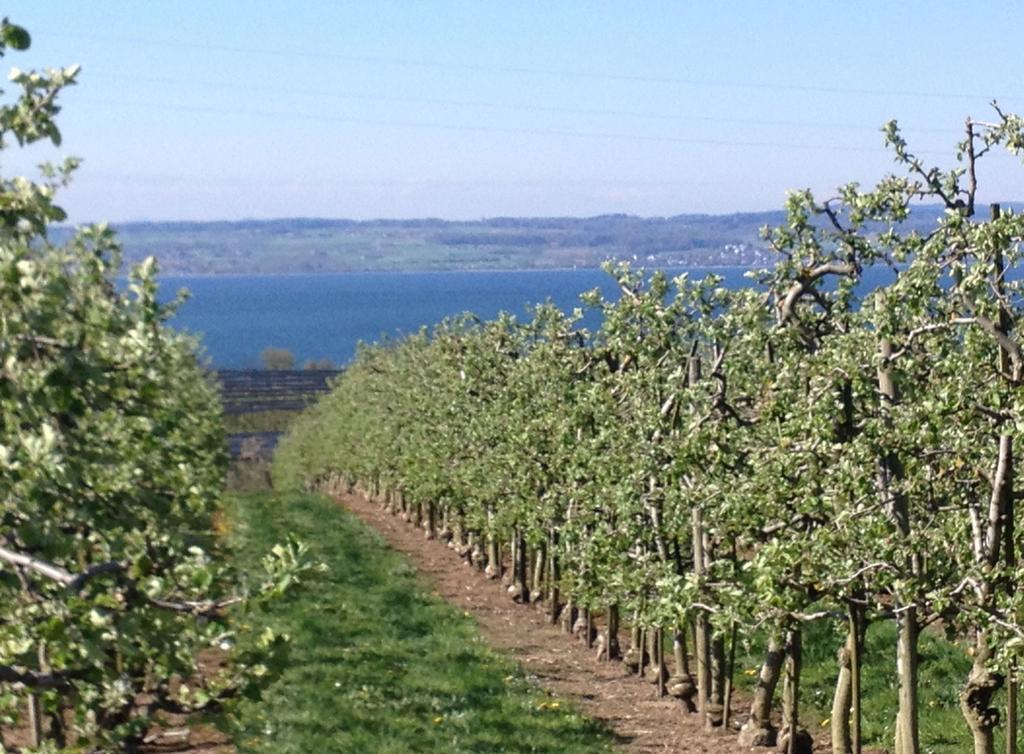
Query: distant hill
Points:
[502, 243]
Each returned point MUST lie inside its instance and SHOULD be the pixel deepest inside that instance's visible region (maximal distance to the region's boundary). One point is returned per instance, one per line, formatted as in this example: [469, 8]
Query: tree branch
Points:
[1005, 342]
[34, 679]
[205, 608]
[803, 284]
[913, 335]
[74, 582]
[50, 571]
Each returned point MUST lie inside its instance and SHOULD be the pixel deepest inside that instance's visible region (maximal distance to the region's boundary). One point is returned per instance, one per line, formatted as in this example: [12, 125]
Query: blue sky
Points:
[225, 110]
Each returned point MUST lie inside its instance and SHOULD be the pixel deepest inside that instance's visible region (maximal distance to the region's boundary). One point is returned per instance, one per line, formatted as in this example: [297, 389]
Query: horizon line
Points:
[435, 219]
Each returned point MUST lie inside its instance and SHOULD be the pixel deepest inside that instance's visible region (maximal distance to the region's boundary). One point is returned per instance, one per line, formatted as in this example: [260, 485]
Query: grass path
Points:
[377, 664]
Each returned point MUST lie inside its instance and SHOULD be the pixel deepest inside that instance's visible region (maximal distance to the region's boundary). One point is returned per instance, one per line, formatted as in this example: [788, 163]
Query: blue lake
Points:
[324, 316]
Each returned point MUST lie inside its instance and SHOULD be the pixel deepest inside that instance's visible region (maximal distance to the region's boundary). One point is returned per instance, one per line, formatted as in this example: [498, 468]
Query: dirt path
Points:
[604, 691]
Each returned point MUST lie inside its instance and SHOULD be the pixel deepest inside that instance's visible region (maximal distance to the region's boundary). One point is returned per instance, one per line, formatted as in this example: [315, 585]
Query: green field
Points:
[379, 665]
[305, 246]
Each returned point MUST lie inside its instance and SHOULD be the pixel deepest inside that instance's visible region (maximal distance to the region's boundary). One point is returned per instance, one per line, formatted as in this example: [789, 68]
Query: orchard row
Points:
[714, 464]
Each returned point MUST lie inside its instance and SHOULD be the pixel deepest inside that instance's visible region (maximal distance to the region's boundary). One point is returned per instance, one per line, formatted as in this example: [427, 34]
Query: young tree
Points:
[111, 466]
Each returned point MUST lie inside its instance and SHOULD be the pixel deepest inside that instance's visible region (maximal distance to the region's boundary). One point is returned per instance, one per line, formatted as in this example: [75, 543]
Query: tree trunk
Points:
[508, 575]
[611, 645]
[791, 697]
[493, 568]
[702, 632]
[477, 554]
[679, 654]
[758, 730]
[730, 671]
[430, 523]
[608, 646]
[633, 659]
[976, 698]
[642, 656]
[1009, 545]
[650, 641]
[702, 654]
[458, 541]
[520, 585]
[658, 640]
[35, 721]
[682, 686]
[890, 472]
[569, 615]
[842, 702]
[907, 732]
[857, 632]
[716, 697]
[446, 533]
[540, 558]
[554, 575]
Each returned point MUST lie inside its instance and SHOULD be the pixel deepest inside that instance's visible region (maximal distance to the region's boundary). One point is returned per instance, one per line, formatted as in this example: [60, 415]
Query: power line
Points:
[529, 71]
[291, 115]
[526, 107]
[336, 181]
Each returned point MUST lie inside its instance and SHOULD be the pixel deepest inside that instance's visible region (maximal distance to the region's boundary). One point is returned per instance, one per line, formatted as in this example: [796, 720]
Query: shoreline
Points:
[456, 270]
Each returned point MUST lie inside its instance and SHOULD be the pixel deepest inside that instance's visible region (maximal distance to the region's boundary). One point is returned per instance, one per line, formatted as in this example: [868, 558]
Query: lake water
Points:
[324, 316]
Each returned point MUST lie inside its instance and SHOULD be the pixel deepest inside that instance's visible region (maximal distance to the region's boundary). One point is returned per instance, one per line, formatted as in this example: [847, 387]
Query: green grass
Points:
[379, 665]
[943, 670]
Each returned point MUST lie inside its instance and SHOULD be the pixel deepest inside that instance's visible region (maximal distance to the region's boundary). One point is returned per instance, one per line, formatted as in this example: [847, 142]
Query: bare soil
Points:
[178, 736]
[605, 691]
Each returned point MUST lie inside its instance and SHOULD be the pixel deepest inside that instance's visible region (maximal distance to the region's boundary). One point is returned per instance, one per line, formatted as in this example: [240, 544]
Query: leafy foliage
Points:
[807, 450]
[112, 461]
